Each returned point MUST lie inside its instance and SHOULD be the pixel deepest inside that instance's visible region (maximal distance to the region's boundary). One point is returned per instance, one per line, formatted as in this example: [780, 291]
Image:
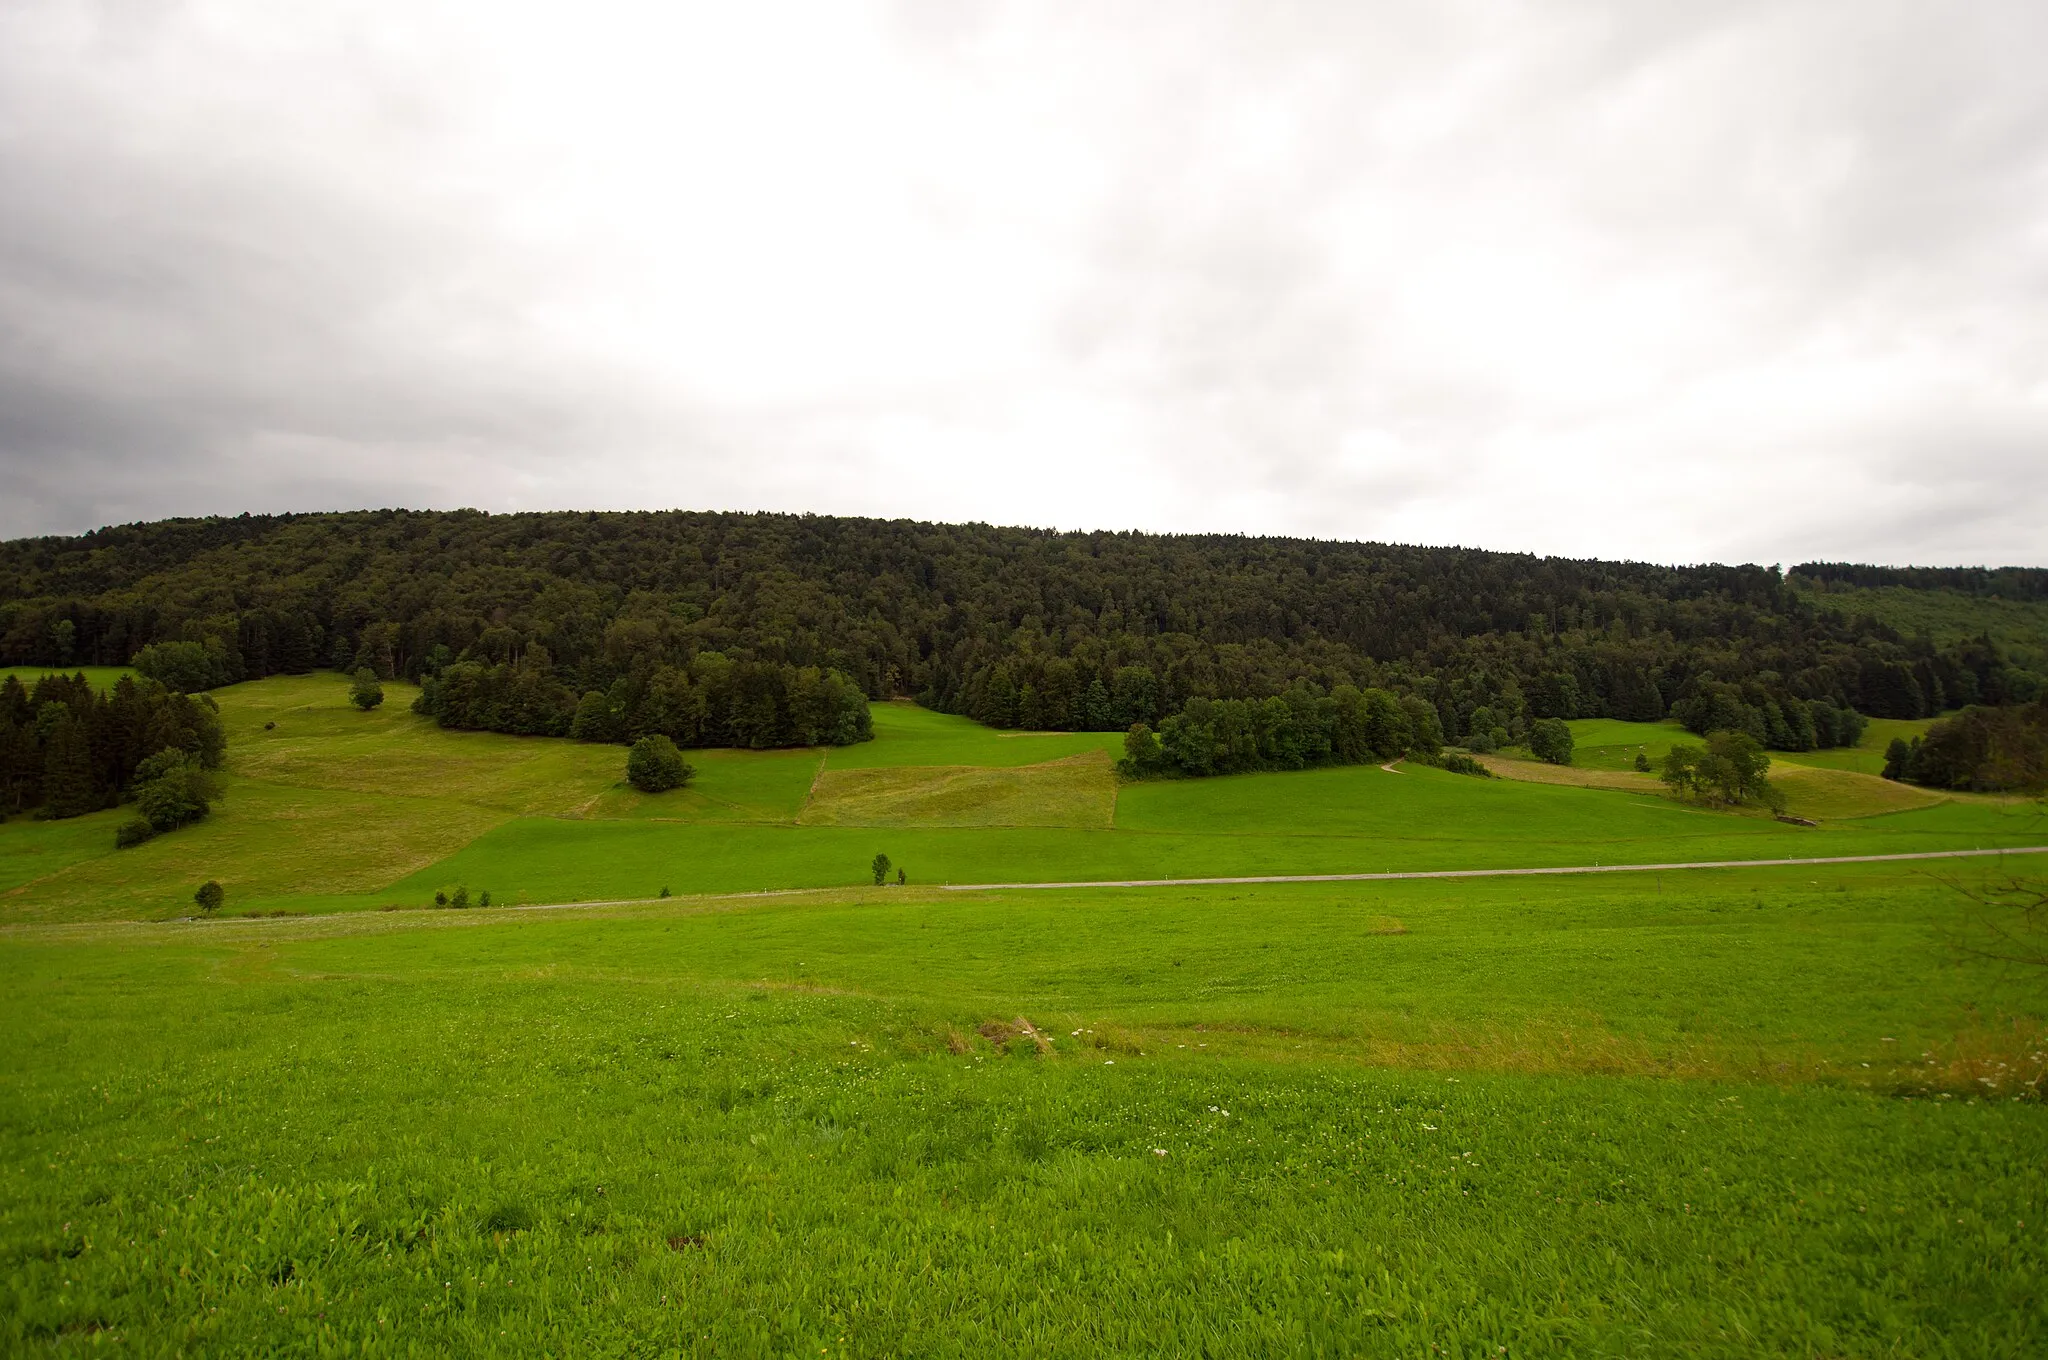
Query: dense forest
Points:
[755, 628]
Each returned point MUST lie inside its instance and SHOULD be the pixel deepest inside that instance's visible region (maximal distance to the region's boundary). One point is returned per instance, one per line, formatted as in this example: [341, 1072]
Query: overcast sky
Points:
[1759, 282]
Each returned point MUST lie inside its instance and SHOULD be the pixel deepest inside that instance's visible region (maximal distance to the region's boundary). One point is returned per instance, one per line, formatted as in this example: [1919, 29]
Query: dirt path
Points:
[1499, 873]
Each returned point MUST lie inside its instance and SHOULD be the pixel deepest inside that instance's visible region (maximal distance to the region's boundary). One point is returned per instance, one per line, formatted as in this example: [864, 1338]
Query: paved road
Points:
[1497, 873]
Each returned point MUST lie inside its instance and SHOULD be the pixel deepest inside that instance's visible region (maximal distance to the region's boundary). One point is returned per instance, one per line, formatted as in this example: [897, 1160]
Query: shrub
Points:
[901, 878]
[1457, 763]
[173, 789]
[1643, 761]
[461, 898]
[441, 899]
[134, 831]
[210, 896]
[654, 765]
[1551, 741]
[483, 899]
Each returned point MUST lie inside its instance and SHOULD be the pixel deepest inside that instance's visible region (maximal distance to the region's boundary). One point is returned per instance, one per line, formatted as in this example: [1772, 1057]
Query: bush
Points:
[210, 896]
[461, 898]
[1551, 741]
[1643, 762]
[1457, 763]
[654, 765]
[134, 831]
[483, 899]
[365, 692]
[173, 789]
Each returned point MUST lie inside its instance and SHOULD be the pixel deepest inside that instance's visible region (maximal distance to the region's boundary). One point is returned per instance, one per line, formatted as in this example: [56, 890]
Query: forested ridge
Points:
[1014, 627]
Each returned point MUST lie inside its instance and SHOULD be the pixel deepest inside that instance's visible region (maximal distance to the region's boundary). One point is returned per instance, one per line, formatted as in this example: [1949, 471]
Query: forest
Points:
[757, 628]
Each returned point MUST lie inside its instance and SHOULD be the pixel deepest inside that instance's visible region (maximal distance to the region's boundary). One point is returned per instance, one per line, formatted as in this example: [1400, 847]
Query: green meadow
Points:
[1749, 1114]
[1789, 1110]
[101, 676]
[331, 809]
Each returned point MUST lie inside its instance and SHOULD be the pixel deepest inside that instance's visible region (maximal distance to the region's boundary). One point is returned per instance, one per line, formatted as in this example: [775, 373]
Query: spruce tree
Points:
[67, 770]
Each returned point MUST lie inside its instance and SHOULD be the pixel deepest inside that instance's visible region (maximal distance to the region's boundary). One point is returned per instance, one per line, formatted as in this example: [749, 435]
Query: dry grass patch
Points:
[263, 842]
[1539, 772]
[1813, 791]
[1079, 791]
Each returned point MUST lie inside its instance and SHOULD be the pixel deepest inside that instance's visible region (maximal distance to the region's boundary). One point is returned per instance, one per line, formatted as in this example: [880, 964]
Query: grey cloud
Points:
[1806, 239]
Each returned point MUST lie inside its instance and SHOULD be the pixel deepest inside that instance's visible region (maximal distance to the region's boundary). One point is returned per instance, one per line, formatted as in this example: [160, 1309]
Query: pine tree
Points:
[67, 770]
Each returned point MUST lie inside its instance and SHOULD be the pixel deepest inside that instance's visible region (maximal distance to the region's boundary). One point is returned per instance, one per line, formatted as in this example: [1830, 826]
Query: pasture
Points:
[1762, 1114]
[331, 809]
[1713, 1113]
[102, 677]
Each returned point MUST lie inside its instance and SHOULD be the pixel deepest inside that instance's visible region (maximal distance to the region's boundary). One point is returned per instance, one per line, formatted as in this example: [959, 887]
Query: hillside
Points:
[1013, 627]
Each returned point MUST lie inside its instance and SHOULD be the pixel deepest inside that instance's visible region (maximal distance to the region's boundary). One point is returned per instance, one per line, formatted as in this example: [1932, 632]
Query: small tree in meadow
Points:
[210, 896]
[366, 691]
[1731, 769]
[881, 869]
[901, 878]
[1643, 762]
[654, 765]
[1550, 740]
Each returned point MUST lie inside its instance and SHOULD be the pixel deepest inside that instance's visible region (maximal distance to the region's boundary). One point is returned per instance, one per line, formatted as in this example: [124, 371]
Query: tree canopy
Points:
[1013, 627]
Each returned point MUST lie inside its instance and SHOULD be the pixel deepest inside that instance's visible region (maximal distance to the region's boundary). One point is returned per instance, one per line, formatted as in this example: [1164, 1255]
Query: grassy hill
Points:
[1713, 1113]
[329, 808]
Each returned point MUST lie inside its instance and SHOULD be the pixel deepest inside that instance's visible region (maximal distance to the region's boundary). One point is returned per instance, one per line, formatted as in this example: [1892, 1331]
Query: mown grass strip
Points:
[1501, 873]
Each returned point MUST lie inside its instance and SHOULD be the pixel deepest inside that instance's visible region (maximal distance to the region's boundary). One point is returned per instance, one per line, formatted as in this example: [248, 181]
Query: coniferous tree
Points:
[67, 768]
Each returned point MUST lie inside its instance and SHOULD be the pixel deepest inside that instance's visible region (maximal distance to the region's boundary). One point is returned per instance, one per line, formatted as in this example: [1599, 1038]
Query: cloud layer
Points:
[1759, 282]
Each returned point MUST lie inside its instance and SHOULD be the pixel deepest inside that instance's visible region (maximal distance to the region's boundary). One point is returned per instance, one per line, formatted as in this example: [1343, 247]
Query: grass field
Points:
[330, 809]
[1547, 1119]
[908, 735]
[1708, 1113]
[101, 676]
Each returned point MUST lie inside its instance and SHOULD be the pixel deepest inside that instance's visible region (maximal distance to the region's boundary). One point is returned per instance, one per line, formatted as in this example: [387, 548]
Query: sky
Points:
[1661, 281]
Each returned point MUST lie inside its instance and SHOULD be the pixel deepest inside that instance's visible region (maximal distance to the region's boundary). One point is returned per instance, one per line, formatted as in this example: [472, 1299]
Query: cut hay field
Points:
[1711, 1113]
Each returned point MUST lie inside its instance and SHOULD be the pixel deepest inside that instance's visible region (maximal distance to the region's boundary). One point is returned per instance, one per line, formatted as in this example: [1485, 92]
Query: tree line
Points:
[1013, 627]
[1991, 750]
[1778, 721]
[1301, 729]
[710, 701]
[67, 748]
